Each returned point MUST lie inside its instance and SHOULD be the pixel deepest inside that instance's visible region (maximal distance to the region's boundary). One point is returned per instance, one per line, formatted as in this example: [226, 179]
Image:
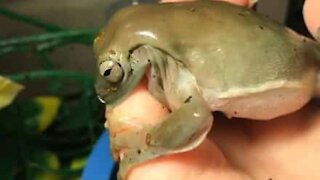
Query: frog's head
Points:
[118, 75]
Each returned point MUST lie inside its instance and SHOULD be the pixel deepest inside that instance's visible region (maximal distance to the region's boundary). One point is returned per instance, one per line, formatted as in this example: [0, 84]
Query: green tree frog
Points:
[201, 57]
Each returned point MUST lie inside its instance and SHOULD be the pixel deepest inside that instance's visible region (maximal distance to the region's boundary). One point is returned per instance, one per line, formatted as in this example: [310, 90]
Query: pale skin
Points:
[283, 148]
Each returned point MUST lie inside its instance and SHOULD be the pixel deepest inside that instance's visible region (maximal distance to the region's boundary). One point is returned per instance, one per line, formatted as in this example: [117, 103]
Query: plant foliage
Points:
[48, 136]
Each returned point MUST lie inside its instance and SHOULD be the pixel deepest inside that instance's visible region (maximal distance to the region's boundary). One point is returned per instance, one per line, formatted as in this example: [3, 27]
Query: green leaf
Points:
[84, 79]
[45, 37]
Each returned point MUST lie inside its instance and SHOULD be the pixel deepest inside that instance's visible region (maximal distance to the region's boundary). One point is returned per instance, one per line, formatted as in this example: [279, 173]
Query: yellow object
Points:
[50, 106]
[51, 161]
[8, 91]
[79, 163]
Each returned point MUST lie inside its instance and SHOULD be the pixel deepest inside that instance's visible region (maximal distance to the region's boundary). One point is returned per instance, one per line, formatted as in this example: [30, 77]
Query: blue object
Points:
[100, 165]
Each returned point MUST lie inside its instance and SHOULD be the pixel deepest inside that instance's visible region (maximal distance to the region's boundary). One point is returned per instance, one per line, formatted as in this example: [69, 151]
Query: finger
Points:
[130, 116]
[311, 12]
[202, 163]
[238, 2]
[135, 111]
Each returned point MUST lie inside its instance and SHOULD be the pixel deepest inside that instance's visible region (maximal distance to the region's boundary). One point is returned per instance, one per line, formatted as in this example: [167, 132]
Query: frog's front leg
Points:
[183, 130]
[191, 114]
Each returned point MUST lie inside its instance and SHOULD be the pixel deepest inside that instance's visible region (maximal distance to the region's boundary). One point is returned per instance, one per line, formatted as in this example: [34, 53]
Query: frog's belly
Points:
[263, 103]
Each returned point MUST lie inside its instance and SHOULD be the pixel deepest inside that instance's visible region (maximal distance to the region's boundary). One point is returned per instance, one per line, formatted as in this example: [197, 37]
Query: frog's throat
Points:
[127, 87]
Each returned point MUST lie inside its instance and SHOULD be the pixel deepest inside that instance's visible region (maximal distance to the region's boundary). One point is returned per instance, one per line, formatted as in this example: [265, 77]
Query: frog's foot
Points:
[183, 130]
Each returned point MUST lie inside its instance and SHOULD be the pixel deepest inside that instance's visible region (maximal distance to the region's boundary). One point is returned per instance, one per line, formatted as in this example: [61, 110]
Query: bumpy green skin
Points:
[193, 48]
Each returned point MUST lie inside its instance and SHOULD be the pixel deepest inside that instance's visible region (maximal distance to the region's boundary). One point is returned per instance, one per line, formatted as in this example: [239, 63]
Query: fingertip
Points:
[311, 13]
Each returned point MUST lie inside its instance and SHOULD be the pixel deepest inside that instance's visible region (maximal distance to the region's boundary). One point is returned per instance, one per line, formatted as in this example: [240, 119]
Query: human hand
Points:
[284, 148]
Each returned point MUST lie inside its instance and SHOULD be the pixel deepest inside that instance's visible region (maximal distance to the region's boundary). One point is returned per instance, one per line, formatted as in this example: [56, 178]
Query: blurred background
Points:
[48, 131]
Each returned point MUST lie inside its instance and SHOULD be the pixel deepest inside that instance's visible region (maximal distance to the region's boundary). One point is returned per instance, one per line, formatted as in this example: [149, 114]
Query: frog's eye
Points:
[111, 70]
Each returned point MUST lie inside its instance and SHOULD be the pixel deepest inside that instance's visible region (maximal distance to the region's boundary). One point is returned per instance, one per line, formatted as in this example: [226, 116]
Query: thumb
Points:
[311, 13]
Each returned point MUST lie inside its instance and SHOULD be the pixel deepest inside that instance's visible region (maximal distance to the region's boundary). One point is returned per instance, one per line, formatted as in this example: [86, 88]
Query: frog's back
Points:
[213, 39]
[182, 25]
